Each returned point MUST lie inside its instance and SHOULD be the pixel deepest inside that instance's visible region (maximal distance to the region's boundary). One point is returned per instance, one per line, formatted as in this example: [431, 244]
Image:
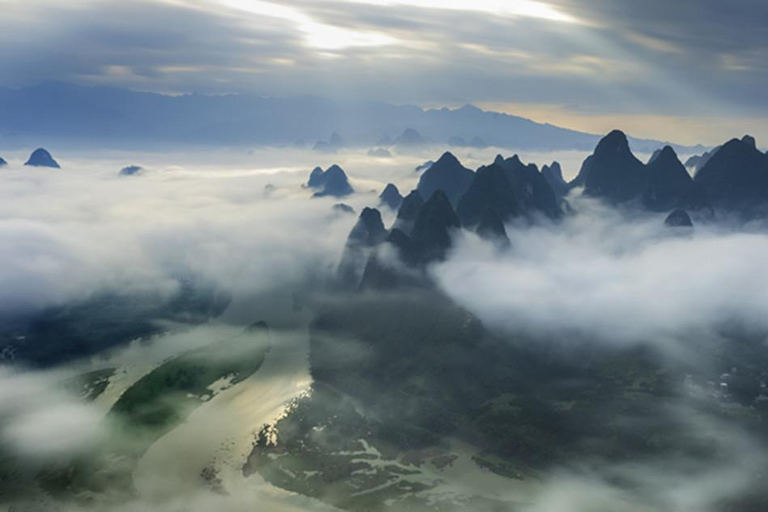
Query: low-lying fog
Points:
[239, 218]
[243, 221]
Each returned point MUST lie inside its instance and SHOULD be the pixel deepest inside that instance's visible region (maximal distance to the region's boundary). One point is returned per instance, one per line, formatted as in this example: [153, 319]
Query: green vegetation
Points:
[167, 395]
[326, 450]
[64, 333]
[406, 371]
[153, 406]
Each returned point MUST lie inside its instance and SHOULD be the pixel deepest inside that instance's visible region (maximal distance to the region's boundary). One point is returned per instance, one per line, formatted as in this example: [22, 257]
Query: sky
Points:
[690, 70]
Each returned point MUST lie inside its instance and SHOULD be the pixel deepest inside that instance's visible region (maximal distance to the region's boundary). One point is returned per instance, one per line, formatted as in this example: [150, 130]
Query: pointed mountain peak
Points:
[447, 158]
[491, 188]
[334, 169]
[437, 212]
[315, 176]
[448, 175]
[612, 172]
[668, 185]
[679, 219]
[332, 182]
[390, 189]
[409, 210]
[750, 140]
[410, 137]
[665, 156]
[367, 234]
[615, 141]
[616, 136]
[391, 197]
[499, 160]
[553, 173]
[412, 203]
[439, 205]
[746, 145]
[735, 178]
[369, 229]
[42, 158]
[371, 217]
[654, 156]
[432, 230]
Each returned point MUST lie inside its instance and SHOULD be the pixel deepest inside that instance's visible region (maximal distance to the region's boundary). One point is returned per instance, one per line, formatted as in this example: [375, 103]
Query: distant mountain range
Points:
[121, 118]
[733, 183]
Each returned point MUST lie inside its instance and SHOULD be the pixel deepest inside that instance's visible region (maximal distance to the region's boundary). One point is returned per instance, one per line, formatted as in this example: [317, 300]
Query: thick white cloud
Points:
[69, 233]
[605, 275]
[41, 422]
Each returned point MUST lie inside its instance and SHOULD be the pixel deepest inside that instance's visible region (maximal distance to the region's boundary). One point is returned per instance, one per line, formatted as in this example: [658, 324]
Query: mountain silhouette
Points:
[131, 170]
[612, 172]
[492, 228]
[553, 173]
[433, 228]
[391, 197]
[736, 178]
[3, 162]
[697, 162]
[409, 210]
[533, 192]
[42, 158]
[668, 184]
[332, 182]
[367, 233]
[448, 175]
[369, 229]
[679, 219]
[490, 188]
[410, 137]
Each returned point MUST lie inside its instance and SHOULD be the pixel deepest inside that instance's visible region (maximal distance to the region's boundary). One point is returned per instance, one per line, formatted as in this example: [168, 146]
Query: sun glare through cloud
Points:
[522, 8]
[317, 35]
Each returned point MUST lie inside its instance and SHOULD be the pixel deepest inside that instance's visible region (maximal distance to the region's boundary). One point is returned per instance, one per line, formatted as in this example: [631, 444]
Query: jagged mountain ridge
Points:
[735, 178]
[508, 189]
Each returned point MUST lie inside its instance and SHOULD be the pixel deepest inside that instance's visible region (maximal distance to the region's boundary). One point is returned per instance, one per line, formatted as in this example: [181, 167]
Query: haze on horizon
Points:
[692, 71]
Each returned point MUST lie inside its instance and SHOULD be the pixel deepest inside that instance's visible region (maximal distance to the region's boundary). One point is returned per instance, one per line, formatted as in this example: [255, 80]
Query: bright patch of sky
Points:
[317, 35]
[522, 8]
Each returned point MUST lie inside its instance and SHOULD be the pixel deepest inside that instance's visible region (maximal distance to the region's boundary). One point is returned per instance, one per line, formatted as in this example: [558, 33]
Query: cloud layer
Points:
[606, 275]
[82, 230]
